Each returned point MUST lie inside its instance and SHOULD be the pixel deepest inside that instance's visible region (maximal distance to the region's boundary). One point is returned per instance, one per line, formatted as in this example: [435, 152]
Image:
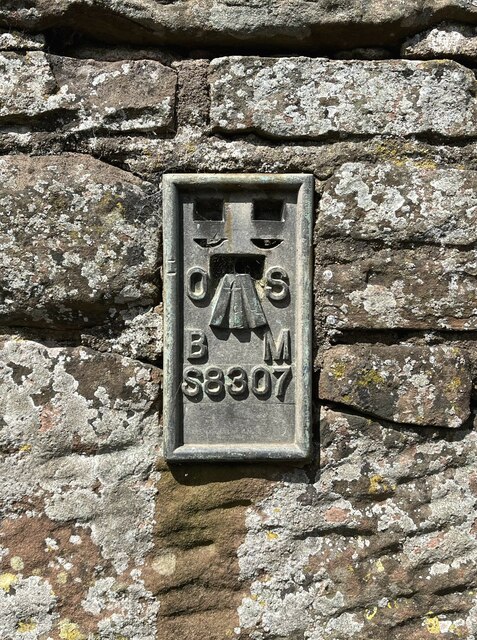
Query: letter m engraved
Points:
[277, 351]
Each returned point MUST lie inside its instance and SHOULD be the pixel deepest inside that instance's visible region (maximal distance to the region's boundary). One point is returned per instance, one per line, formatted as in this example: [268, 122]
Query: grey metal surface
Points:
[237, 316]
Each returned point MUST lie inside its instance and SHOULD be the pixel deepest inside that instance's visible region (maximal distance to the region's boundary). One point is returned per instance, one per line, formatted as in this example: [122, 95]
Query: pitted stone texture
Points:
[444, 41]
[277, 24]
[79, 437]
[79, 241]
[28, 89]
[131, 95]
[396, 204]
[15, 41]
[379, 544]
[423, 288]
[313, 98]
[407, 384]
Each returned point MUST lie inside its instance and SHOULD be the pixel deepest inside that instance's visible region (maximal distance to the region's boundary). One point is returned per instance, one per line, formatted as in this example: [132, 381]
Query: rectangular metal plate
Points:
[238, 290]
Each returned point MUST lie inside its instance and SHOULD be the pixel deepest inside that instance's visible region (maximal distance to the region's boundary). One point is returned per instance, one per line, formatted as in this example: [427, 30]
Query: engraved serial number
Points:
[215, 382]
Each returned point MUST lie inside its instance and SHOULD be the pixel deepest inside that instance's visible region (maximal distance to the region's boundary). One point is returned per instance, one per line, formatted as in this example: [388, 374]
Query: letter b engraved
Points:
[196, 344]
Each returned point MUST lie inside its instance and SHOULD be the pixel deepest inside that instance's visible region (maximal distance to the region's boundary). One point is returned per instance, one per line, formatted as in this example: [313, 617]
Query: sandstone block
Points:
[78, 435]
[396, 204]
[407, 384]
[279, 24]
[124, 96]
[447, 40]
[313, 98]
[15, 41]
[28, 88]
[136, 333]
[80, 240]
[422, 288]
[378, 543]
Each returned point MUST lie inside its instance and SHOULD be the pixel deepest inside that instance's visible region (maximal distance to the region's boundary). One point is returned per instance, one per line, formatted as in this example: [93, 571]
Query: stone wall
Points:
[376, 537]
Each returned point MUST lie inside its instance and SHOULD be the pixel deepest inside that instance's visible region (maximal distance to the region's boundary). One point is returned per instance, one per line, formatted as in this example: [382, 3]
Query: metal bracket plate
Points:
[238, 308]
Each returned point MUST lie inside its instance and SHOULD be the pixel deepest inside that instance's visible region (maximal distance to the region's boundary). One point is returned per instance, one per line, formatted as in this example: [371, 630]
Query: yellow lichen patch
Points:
[272, 536]
[377, 484]
[433, 625]
[379, 566]
[338, 370]
[454, 384]
[25, 448]
[369, 377]
[460, 632]
[26, 626]
[7, 580]
[370, 613]
[62, 577]
[425, 164]
[390, 154]
[70, 631]
[17, 563]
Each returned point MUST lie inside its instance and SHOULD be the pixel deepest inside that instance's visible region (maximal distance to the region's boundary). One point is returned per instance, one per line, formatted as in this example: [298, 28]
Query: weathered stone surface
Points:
[80, 240]
[312, 98]
[317, 24]
[400, 204]
[127, 95]
[379, 542]
[421, 288]
[444, 41]
[78, 435]
[28, 88]
[136, 333]
[15, 41]
[407, 384]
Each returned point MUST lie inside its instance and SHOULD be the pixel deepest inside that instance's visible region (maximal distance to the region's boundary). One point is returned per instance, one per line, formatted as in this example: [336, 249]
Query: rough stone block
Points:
[119, 96]
[15, 41]
[79, 241]
[396, 204]
[276, 23]
[28, 88]
[79, 439]
[136, 333]
[422, 288]
[447, 40]
[407, 384]
[379, 543]
[313, 98]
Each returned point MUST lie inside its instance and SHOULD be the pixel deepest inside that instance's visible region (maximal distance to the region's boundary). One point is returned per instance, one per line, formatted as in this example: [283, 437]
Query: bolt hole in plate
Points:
[237, 316]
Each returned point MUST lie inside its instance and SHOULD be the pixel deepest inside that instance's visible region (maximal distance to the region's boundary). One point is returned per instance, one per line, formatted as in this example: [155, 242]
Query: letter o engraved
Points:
[214, 381]
[192, 385]
[197, 283]
[261, 381]
[238, 386]
[277, 287]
